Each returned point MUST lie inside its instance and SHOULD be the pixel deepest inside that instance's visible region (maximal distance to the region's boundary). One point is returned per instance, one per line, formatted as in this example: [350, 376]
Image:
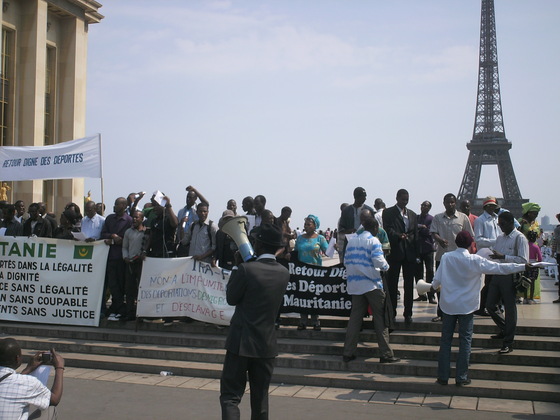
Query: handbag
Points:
[521, 282]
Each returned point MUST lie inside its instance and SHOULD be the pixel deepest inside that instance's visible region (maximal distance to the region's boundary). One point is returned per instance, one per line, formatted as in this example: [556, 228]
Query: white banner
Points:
[79, 158]
[178, 287]
[52, 281]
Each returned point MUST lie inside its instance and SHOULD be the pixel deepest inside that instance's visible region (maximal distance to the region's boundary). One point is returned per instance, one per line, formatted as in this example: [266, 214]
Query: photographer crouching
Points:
[20, 390]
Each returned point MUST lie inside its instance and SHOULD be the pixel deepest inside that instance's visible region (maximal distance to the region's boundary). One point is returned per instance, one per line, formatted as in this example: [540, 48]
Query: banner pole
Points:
[101, 165]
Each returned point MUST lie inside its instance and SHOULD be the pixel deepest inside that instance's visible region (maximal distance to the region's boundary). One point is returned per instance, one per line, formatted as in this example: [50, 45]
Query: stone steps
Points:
[327, 378]
[309, 357]
[409, 366]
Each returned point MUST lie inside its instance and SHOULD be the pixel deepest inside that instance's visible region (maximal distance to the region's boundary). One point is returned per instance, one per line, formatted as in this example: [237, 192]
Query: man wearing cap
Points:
[486, 231]
[256, 288]
[459, 276]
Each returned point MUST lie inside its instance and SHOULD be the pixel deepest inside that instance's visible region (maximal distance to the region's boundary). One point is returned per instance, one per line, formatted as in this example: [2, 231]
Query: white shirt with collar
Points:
[91, 227]
[486, 230]
[18, 392]
[459, 275]
[514, 246]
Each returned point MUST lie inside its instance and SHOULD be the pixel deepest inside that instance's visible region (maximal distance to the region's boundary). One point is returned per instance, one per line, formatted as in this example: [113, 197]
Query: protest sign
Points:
[317, 290]
[53, 281]
[79, 158]
[178, 287]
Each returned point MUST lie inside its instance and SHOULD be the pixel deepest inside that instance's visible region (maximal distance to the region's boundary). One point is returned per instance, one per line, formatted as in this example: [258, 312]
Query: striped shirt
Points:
[363, 260]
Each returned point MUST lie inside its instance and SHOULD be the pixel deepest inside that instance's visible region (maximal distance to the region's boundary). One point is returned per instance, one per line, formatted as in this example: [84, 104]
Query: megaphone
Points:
[423, 287]
[237, 230]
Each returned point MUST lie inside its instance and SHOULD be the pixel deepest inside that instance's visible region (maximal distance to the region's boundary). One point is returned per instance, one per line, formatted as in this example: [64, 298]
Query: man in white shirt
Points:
[201, 237]
[459, 277]
[92, 223]
[379, 206]
[444, 228]
[486, 231]
[19, 391]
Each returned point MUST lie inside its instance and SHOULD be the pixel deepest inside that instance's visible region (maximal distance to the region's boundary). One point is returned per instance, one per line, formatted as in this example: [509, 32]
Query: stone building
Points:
[43, 85]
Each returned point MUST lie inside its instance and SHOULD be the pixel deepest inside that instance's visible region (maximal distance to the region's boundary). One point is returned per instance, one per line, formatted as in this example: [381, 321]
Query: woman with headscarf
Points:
[529, 220]
[309, 247]
[531, 229]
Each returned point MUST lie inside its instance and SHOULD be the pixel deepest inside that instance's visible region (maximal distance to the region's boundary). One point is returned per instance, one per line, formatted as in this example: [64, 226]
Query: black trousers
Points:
[408, 269]
[426, 260]
[116, 280]
[132, 280]
[234, 380]
[484, 291]
[558, 262]
[501, 287]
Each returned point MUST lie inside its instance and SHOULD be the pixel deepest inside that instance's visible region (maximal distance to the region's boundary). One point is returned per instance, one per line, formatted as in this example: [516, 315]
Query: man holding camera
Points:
[19, 391]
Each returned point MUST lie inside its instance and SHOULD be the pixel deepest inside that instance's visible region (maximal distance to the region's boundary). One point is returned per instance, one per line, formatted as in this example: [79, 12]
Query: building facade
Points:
[43, 85]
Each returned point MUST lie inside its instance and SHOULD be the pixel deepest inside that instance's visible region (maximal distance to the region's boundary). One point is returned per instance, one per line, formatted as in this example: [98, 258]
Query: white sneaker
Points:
[114, 317]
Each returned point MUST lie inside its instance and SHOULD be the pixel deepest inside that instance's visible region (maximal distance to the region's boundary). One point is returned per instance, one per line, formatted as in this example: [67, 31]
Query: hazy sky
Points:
[302, 101]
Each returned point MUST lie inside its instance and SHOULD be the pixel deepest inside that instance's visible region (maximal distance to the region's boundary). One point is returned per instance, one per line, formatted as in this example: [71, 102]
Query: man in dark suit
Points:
[256, 289]
[350, 216]
[35, 224]
[402, 228]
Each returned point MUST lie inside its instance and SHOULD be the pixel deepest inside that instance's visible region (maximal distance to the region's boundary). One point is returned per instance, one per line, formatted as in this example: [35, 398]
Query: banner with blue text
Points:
[52, 281]
[79, 158]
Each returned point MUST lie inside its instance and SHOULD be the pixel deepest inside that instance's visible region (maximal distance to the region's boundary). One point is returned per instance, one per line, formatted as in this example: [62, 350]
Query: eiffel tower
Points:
[489, 145]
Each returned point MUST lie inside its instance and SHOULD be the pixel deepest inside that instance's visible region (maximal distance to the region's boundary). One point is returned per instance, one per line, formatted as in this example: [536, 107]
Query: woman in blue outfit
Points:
[309, 246]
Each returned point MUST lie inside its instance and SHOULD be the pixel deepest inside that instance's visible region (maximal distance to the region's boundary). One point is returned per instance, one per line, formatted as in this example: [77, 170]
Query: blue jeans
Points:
[465, 338]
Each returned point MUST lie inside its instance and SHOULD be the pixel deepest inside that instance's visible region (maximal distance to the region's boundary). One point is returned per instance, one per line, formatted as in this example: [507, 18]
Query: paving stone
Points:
[546, 408]
[86, 373]
[409, 398]
[174, 381]
[112, 376]
[272, 387]
[312, 392]
[437, 401]
[196, 383]
[464, 403]
[505, 406]
[141, 378]
[345, 394]
[71, 372]
[286, 390]
[212, 386]
[384, 397]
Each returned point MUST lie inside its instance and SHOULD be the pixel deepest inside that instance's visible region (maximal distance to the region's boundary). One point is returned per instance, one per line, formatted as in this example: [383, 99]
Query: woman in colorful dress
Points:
[533, 273]
[529, 225]
[309, 247]
[529, 220]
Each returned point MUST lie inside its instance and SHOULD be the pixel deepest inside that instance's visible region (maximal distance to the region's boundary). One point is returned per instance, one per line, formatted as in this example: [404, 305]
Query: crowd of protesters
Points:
[394, 239]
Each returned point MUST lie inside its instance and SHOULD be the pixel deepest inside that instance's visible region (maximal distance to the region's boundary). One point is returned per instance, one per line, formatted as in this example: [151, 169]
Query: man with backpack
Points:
[201, 237]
